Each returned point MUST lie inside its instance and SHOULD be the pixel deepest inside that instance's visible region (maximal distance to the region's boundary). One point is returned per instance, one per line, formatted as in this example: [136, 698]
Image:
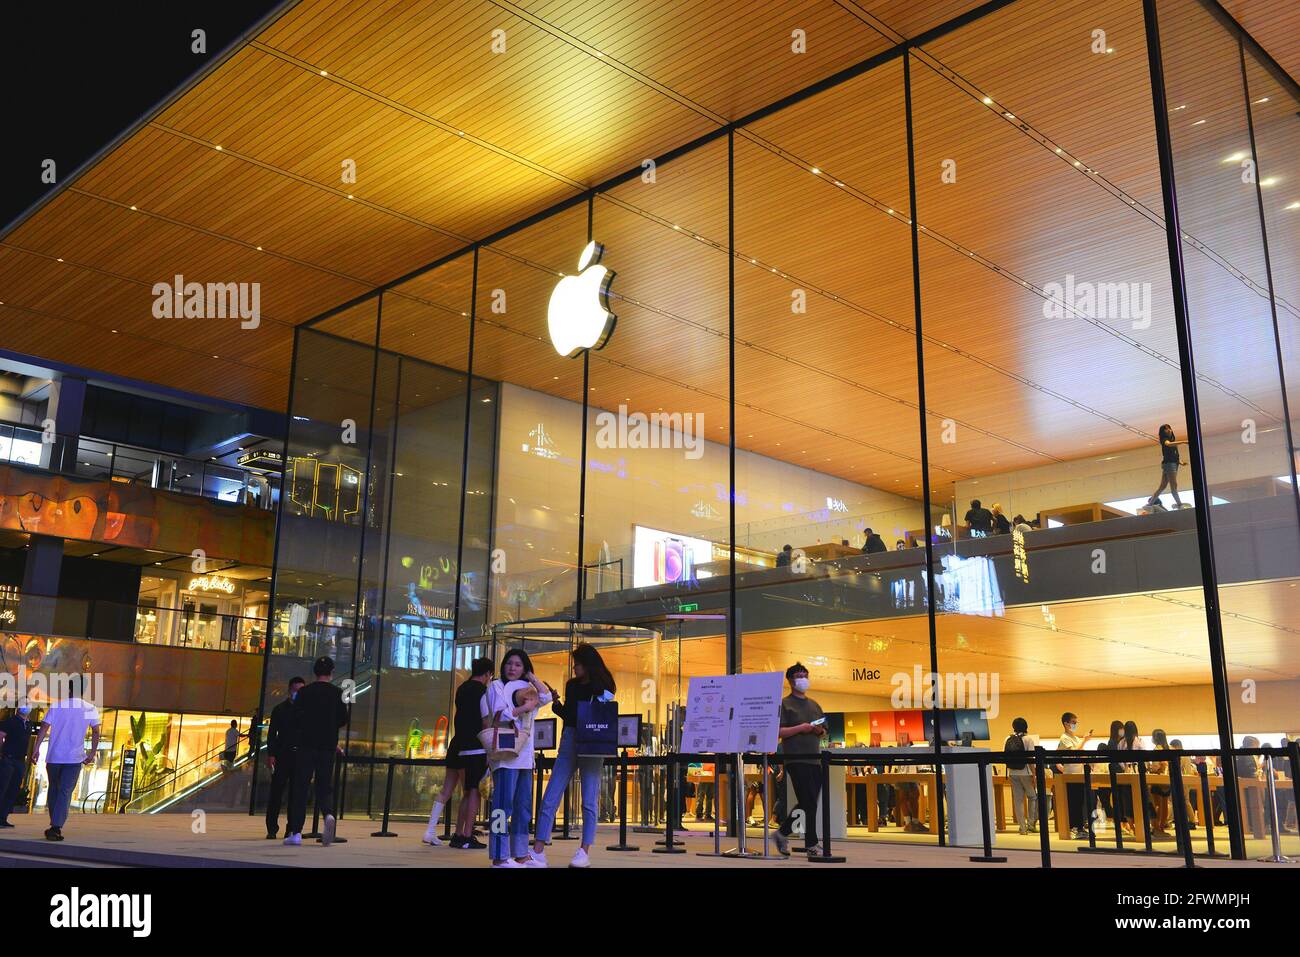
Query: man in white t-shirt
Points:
[64, 726]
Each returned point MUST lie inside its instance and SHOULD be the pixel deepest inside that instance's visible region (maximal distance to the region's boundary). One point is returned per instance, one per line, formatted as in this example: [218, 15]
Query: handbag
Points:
[502, 742]
[598, 728]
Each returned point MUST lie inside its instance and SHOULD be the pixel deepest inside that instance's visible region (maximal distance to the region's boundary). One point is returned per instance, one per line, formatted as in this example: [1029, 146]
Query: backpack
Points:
[1016, 743]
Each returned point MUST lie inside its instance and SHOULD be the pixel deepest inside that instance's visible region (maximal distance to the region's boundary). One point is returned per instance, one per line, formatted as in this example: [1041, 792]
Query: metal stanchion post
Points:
[338, 801]
[1117, 806]
[767, 808]
[1207, 805]
[987, 857]
[1142, 796]
[671, 846]
[568, 788]
[717, 812]
[1181, 830]
[388, 800]
[622, 844]
[825, 857]
[1275, 831]
[446, 824]
[738, 812]
[1040, 788]
[1089, 811]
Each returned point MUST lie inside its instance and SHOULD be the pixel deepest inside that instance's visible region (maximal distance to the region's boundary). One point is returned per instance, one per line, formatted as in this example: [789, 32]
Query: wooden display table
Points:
[830, 550]
[872, 778]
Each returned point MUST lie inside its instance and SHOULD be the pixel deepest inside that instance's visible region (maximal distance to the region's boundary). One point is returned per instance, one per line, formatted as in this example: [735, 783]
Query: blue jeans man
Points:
[567, 762]
[63, 779]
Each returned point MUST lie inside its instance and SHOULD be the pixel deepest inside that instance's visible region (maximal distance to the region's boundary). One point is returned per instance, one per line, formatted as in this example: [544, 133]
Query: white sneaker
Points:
[580, 859]
[508, 862]
[327, 831]
[431, 839]
[293, 840]
[535, 859]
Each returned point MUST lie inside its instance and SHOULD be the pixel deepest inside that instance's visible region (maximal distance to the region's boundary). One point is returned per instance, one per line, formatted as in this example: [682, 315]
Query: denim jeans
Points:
[566, 762]
[63, 778]
[11, 779]
[512, 795]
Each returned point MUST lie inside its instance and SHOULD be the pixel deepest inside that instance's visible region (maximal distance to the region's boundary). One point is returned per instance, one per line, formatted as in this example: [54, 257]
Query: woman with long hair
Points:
[1168, 465]
[1119, 800]
[591, 681]
[512, 776]
[1160, 792]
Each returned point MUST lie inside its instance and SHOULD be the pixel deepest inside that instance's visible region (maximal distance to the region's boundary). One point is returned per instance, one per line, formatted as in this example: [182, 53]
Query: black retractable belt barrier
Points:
[1207, 805]
[1040, 788]
[1145, 799]
[987, 857]
[622, 844]
[388, 801]
[1181, 830]
[671, 846]
[825, 857]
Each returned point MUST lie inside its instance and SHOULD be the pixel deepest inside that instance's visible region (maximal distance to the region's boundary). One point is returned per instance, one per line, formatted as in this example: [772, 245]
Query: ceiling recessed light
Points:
[133, 209]
[816, 171]
[323, 73]
[259, 249]
[1262, 99]
[217, 147]
[1198, 122]
[1295, 205]
[1269, 181]
[987, 101]
[1235, 157]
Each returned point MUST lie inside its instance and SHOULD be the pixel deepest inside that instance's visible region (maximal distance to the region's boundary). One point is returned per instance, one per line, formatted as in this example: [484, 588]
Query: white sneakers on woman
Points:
[580, 859]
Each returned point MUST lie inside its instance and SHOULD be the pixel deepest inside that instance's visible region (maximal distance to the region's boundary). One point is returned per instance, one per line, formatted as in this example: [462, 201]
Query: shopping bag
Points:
[502, 741]
[598, 728]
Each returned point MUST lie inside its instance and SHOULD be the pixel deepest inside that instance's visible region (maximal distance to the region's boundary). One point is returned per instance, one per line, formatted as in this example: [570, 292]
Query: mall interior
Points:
[878, 267]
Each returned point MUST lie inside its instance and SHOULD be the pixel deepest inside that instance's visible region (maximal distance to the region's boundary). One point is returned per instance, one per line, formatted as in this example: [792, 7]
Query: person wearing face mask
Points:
[1074, 793]
[281, 752]
[801, 746]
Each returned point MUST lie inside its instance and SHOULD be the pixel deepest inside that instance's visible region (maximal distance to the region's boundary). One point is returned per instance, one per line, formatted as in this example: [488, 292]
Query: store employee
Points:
[802, 728]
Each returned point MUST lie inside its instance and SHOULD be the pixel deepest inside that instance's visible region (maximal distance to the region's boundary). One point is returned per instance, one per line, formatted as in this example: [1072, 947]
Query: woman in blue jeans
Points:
[591, 681]
[512, 776]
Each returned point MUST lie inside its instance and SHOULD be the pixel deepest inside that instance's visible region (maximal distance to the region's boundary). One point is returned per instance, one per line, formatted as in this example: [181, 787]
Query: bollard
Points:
[1040, 788]
[987, 857]
[388, 799]
[1176, 794]
[825, 857]
[622, 844]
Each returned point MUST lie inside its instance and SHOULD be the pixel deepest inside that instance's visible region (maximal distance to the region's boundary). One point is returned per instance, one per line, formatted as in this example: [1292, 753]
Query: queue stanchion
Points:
[671, 846]
[337, 772]
[1207, 805]
[388, 800]
[1293, 754]
[825, 857]
[1181, 830]
[738, 812]
[717, 812]
[1117, 803]
[446, 824]
[1040, 789]
[767, 807]
[537, 798]
[315, 822]
[622, 844]
[1142, 796]
[568, 790]
[1270, 781]
[987, 857]
[1089, 810]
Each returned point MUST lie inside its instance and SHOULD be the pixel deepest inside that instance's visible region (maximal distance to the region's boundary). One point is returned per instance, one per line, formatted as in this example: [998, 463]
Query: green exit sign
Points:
[689, 606]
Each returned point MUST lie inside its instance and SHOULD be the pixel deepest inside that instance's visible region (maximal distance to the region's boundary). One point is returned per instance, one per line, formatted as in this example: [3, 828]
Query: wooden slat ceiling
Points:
[453, 142]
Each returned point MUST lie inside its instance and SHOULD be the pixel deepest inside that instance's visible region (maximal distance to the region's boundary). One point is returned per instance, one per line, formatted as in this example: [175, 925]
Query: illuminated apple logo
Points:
[578, 315]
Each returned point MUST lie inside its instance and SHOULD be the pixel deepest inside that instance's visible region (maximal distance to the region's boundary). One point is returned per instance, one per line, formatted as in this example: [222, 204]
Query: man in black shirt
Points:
[874, 543]
[466, 760]
[15, 737]
[783, 557]
[979, 520]
[281, 753]
[321, 712]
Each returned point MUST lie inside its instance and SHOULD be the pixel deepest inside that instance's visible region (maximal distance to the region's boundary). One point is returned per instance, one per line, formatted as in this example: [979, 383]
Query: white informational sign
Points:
[727, 714]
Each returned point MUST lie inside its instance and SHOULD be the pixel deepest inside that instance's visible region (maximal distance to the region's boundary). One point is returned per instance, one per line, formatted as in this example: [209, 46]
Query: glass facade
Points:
[922, 325]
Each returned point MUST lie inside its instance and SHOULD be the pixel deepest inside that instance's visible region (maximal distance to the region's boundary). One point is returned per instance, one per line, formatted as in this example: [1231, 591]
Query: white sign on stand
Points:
[728, 714]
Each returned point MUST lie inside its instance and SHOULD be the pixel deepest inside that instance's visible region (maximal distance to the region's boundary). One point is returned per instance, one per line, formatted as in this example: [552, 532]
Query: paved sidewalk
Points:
[237, 840]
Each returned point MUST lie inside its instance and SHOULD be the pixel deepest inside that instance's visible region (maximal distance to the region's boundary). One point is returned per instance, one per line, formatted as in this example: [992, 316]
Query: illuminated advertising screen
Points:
[661, 558]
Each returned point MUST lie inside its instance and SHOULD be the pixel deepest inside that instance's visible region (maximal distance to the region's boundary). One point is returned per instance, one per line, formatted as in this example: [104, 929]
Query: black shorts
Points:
[474, 766]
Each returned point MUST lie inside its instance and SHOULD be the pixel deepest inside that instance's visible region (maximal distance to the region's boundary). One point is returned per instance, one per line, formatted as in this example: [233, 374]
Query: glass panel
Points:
[1255, 514]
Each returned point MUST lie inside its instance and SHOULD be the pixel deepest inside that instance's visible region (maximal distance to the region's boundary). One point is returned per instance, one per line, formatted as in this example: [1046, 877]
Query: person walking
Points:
[232, 745]
[64, 725]
[802, 726]
[282, 740]
[591, 681]
[512, 774]
[15, 738]
[466, 760]
[1169, 463]
[321, 713]
[1021, 776]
